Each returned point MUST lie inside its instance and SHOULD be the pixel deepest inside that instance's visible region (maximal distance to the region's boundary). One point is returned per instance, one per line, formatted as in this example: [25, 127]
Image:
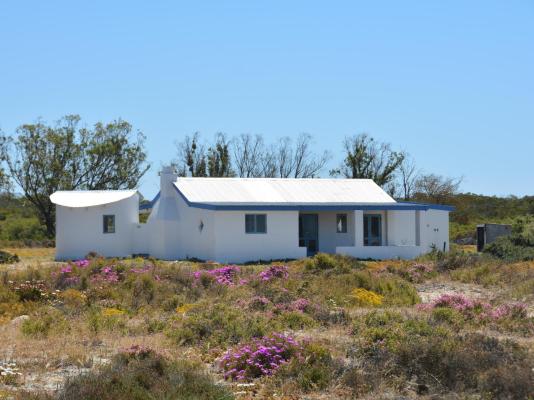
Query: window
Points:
[109, 224]
[372, 230]
[341, 223]
[256, 223]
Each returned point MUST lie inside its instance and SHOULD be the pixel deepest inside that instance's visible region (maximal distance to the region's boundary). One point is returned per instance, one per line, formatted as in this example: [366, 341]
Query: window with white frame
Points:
[341, 223]
[255, 223]
[109, 224]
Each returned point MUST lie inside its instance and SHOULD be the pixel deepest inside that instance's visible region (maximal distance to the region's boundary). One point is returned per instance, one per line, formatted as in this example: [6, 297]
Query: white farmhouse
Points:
[241, 219]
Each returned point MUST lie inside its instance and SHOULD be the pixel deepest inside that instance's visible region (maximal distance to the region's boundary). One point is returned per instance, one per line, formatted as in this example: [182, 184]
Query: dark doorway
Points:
[372, 230]
[481, 237]
[309, 233]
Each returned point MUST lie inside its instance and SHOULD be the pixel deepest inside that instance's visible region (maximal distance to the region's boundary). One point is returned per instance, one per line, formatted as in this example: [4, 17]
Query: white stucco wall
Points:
[401, 228]
[140, 239]
[232, 244]
[80, 230]
[194, 241]
[222, 237]
[329, 238]
[435, 229]
[174, 233]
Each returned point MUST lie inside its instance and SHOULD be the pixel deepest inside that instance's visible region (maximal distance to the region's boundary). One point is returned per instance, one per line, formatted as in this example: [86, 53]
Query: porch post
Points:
[358, 228]
[418, 228]
[385, 235]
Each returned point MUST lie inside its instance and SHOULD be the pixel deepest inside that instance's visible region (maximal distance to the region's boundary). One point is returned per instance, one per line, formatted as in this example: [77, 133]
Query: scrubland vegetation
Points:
[323, 327]
[455, 325]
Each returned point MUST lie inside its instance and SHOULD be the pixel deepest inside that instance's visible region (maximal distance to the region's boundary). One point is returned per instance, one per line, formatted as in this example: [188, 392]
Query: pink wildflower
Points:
[81, 263]
[223, 276]
[274, 271]
[66, 269]
[142, 270]
[258, 358]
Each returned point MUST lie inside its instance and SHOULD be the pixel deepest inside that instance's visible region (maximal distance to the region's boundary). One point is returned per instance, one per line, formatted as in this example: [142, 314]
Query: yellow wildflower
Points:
[366, 297]
[112, 312]
[185, 308]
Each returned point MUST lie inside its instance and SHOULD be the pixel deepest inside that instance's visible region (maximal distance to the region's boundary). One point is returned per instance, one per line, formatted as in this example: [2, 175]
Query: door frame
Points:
[316, 219]
[380, 232]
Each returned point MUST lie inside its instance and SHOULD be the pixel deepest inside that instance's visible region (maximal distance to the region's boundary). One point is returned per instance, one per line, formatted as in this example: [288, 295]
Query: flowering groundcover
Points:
[259, 358]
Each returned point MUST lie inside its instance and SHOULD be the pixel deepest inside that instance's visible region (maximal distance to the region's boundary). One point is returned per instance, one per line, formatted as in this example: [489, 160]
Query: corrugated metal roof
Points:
[89, 198]
[276, 191]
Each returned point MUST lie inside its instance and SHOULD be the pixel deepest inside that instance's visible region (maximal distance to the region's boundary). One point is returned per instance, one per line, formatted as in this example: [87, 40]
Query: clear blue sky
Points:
[452, 82]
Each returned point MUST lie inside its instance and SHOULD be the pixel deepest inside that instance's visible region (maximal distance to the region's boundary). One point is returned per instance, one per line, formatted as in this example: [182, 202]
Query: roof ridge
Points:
[199, 178]
[96, 191]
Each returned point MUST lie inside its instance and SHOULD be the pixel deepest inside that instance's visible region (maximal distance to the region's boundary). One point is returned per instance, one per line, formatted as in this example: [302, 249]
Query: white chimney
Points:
[167, 178]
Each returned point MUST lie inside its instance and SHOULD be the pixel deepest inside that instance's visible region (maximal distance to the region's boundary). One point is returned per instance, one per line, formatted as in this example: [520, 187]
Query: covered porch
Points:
[363, 233]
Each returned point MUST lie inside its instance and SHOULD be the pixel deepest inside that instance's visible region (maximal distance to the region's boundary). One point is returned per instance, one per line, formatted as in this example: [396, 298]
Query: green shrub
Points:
[509, 248]
[321, 261]
[219, 324]
[45, 321]
[395, 291]
[107, 319]
[523, 231]
[143, 290]
[447, 315]
[8, 258]
[338, 289]
[454, 259]
[74, 301]
[440, 358]
[333, 263]
[144, 376]
[315, 369]
[29, 293]
[7, 296]
[295, 320]
[517, 247]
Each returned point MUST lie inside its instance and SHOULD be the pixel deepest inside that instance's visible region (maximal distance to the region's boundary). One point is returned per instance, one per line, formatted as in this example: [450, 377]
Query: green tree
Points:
[43, 159]
[437, 189]
[194, 160]
[191, 157]
[4, 178]
[366, 158]
[219, 157]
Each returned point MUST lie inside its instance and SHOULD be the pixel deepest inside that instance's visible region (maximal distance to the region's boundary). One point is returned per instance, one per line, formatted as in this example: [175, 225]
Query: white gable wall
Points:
[81, 230]
[195, 242]
[174, 232]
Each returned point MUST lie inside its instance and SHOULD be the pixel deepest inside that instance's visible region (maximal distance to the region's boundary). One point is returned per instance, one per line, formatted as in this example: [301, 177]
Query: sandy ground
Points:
[430, 291]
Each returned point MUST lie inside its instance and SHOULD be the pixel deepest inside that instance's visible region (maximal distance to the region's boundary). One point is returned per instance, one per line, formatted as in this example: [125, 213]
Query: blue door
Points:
[372, 230]
[309, 233]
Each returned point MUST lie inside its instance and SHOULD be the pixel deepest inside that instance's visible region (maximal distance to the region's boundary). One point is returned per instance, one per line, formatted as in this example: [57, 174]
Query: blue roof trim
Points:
[441, 207]
[148, 206]
[302, 207]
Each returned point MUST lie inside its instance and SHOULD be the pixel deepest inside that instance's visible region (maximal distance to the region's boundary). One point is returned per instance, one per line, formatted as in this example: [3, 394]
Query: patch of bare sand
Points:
[429, 291]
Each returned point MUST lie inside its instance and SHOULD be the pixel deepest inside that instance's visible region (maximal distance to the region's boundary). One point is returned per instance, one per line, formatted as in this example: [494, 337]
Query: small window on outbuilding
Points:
[341, 223]
[255, 223]
[109, 224]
